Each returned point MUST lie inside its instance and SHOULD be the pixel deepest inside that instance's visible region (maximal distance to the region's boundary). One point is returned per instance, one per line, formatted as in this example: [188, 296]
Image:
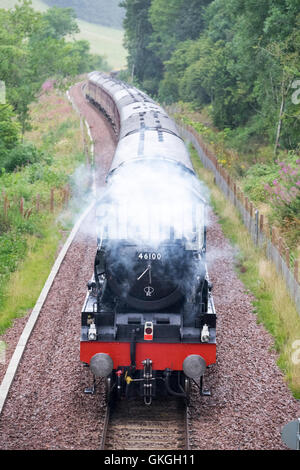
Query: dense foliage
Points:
[143, 63]
[241, 58]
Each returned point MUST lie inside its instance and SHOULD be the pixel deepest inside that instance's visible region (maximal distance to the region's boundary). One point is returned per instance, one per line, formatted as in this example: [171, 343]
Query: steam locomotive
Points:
[148, 324]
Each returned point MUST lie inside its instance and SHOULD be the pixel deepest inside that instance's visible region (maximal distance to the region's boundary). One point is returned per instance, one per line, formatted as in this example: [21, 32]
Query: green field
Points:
[36, 4]
[104, 41]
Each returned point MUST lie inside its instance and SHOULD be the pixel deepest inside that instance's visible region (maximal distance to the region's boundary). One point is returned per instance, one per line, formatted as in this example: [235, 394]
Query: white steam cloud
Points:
[151, 201]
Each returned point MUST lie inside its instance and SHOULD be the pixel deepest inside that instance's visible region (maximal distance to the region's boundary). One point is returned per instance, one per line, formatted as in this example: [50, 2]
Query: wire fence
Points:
[263, 235]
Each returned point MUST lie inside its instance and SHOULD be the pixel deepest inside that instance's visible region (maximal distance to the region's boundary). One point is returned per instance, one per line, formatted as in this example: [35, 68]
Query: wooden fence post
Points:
[256, 213]
[287, 257]
[280, 245]
[251, 209]
[261, 222]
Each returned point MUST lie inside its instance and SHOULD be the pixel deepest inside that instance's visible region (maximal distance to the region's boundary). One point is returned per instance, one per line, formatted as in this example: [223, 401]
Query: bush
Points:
[12, 250]
[256, 178]
[9, 127]
[3, 155]
[250, 138]
[22, 155]
[284, 191]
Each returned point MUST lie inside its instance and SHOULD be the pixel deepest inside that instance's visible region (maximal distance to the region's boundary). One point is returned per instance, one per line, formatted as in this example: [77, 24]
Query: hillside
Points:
[103, 12]
[104, 40]
[36, 4]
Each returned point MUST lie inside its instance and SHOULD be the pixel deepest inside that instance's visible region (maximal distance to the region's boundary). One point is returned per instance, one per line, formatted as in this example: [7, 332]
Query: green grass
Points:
[26, 283]
[103, 40]
[272, 305]
[36, 4]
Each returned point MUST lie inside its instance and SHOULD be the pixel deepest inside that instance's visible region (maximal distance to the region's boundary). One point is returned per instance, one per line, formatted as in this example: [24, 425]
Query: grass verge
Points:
[25, 284]
[272, 305]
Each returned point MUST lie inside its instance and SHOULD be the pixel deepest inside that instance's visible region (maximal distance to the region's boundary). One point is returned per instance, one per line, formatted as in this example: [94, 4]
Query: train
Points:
[148, 323]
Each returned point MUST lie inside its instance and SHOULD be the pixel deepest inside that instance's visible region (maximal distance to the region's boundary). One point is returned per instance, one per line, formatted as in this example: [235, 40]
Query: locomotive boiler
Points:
[148, 322]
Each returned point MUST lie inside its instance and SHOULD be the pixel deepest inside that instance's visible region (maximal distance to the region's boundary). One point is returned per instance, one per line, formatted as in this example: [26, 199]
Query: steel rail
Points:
[105, 427]
[187, 429]
[129, 426]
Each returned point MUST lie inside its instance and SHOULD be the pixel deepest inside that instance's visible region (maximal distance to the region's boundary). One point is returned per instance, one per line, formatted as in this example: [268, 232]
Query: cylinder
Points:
[194, 366]
[101, 365]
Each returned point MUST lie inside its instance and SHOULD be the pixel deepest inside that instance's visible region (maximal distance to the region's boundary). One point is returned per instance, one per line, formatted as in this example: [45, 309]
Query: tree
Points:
[9, 132]
[143, 64]
[33, 48]
[59, 23]
[243, 63]
[173, 22]
[9, 127]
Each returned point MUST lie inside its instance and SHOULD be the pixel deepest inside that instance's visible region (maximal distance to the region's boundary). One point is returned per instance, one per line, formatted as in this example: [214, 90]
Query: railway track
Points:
[131, 425]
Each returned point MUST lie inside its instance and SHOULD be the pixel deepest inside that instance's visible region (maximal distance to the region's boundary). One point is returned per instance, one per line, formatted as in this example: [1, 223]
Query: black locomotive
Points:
[148, 322]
